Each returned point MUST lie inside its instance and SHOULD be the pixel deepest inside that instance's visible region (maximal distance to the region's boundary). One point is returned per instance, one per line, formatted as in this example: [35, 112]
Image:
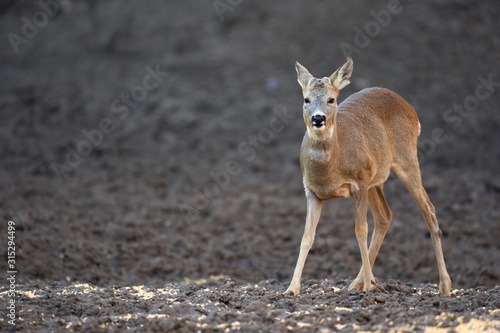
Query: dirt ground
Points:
[220, 304]
[150, 192]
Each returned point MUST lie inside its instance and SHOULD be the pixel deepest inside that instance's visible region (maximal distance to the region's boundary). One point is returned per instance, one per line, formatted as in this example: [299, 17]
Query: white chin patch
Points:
[320, 133]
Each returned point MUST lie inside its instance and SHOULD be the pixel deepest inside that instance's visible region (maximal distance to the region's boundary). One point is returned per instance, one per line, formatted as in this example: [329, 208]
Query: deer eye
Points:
[307, 100]
[331, 100]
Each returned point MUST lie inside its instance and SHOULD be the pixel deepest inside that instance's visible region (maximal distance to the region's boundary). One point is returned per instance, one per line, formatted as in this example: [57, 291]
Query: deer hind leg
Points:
[411, 178]
[382, 216]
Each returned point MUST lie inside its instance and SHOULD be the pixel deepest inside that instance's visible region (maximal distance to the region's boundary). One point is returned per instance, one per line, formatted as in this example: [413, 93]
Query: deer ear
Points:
[340, 78]
[303, 75]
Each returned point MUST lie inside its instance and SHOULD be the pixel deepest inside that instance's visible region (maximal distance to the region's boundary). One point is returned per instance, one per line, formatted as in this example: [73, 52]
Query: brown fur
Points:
[371, 133]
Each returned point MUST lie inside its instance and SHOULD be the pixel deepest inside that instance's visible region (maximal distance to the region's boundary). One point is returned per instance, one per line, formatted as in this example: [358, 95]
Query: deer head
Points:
[320, 97]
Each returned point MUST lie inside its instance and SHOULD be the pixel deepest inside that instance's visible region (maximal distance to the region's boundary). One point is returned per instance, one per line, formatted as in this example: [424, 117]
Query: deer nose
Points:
[318, 120]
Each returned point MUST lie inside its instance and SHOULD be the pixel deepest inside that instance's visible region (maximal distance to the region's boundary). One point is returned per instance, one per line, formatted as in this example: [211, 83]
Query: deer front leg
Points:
[365, 280]
[313, 212]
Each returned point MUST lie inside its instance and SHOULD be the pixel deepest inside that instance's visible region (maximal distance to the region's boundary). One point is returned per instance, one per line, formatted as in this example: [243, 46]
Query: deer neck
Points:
[322, 148]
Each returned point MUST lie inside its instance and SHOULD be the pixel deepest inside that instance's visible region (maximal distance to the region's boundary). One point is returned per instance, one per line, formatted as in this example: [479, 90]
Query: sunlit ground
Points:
[156, 304]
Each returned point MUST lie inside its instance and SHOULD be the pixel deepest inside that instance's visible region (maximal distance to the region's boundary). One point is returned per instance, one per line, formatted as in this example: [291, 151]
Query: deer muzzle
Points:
[318, 120]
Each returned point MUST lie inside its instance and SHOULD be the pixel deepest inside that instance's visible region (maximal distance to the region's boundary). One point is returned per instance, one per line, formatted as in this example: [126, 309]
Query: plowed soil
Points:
[219, 304]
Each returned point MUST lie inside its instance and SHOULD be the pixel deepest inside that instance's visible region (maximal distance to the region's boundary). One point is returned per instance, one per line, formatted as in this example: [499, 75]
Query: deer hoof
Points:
[291, 292]
[357, 284]
[371, 287]
[445, 286]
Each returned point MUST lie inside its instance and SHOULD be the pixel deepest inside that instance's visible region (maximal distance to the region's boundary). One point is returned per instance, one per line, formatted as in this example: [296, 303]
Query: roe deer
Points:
[349, 151]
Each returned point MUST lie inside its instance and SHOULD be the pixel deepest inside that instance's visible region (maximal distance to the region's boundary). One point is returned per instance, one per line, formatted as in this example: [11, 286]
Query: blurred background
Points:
[137, 145]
